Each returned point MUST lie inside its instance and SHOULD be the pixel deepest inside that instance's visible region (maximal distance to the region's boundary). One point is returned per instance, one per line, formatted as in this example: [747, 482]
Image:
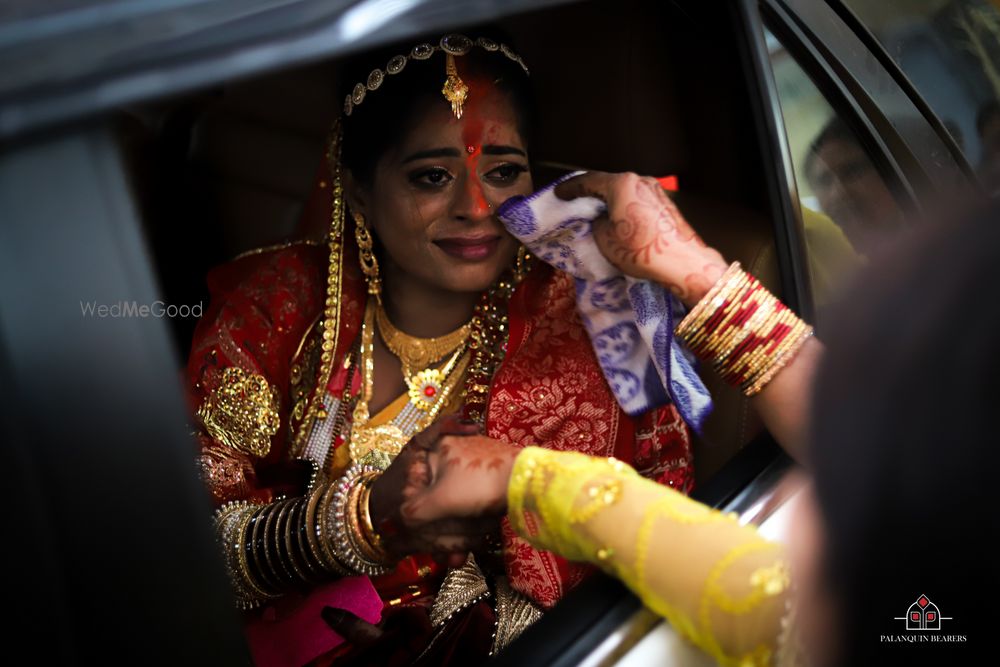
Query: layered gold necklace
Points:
[430, 389]
[417, 356]
[418, 352]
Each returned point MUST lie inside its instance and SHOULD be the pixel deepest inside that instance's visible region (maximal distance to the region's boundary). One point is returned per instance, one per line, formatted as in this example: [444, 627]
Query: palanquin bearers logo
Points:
[923, 615]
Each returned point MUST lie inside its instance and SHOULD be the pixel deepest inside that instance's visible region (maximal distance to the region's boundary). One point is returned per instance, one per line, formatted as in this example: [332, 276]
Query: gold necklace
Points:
[418, 353]
[379, 445]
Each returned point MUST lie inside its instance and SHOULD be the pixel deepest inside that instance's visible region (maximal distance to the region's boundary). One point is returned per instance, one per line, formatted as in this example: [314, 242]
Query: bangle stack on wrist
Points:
[236, 524]
[272, 548]
[743, 331]
[355, 542]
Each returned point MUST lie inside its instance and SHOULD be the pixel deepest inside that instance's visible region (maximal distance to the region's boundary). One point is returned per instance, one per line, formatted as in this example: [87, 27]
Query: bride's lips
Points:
[470, 248]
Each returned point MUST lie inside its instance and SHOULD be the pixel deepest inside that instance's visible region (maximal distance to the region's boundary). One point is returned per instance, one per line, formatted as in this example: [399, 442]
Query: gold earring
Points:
[521, 264]
[366, 257]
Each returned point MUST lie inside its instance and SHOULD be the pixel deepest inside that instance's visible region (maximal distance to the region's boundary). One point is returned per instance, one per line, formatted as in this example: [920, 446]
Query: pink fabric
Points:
[303, 636]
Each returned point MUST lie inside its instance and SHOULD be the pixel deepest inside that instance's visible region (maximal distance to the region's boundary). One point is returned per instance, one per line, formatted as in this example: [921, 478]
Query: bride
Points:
[316, 363]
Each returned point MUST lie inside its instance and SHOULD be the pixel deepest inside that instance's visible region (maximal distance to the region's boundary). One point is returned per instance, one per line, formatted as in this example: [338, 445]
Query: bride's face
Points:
[433, 199]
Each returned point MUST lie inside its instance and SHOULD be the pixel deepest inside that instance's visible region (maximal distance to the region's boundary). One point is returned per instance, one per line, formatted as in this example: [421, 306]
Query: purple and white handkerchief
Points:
[630, 321]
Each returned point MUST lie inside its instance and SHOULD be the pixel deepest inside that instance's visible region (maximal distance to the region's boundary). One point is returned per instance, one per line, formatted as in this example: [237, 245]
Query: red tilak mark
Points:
[472, 137]
[479, 204]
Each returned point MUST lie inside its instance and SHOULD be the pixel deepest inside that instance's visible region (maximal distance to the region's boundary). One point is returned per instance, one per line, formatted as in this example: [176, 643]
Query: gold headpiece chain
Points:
[454, 90]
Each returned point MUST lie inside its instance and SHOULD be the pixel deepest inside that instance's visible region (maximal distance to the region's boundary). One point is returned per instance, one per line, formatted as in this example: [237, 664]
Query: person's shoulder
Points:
[304, 249]
[819, 226]
[290, 262]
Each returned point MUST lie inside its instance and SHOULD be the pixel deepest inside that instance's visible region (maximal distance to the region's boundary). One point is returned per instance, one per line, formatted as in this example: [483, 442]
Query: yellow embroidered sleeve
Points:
[718, 583]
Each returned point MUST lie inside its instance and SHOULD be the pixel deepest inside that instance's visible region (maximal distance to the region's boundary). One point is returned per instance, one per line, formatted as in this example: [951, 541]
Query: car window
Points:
[950, 51]
[848, 209]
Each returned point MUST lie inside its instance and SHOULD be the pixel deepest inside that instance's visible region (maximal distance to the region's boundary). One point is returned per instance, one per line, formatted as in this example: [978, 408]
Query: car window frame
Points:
[918, 156]
[878, 50]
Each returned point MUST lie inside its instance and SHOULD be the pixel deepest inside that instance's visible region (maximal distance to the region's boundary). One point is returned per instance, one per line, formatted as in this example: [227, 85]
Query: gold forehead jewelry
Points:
[454, 90]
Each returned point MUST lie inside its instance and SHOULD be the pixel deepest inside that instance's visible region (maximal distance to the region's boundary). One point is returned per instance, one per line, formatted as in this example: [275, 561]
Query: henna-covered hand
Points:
[396, 500]
[470, 475]
[645, 235]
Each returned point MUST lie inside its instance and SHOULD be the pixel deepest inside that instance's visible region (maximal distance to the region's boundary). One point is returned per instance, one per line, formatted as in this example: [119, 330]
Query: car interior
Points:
[663, 89]
[666, 88]
[229, 169]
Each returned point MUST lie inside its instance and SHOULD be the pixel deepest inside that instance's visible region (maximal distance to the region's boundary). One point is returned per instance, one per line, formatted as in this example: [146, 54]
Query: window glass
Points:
[848, 209]
[950, 51]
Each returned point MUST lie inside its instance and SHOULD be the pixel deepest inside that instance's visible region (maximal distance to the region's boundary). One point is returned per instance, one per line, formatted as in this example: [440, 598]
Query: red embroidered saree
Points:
[547, 391]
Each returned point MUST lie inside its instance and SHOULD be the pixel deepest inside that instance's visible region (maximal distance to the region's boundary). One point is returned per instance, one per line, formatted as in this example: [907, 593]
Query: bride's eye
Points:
[433, 177]
[506, 173]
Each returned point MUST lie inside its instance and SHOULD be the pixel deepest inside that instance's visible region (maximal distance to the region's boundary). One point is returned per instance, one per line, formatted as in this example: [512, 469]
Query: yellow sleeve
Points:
[832, 258]
[718, 583]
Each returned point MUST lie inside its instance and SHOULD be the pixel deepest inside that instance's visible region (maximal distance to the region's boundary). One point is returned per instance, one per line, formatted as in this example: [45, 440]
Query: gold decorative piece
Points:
[242, 412]
[454, 89]
[378, 445]
[462, 587]
[386, 438]
[418, 353]
[232, 522]
[366, 256]
[425, 387]
[515, 613]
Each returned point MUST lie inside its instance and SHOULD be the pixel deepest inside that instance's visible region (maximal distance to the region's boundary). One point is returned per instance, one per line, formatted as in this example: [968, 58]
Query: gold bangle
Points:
[301, 530]
[760, 361]
[326, 536]
[310, 527]
[703, 308]
[291, 524]
[781, 359]
[366, 518]
[249, 580]
[343, 524]
[232, 521]
[730, 299]
[353, 517]
[728, 288]
[751, 367]
[281, 542]
[267, 543]
[272, 553]
[371, 538]
[739, 365]
[260, 559]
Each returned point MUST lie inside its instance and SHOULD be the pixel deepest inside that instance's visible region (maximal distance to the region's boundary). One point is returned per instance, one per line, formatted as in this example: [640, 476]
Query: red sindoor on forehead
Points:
[475, 116]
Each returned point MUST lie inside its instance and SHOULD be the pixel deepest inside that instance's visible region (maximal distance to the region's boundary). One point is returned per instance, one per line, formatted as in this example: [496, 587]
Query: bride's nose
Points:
[470, 199]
